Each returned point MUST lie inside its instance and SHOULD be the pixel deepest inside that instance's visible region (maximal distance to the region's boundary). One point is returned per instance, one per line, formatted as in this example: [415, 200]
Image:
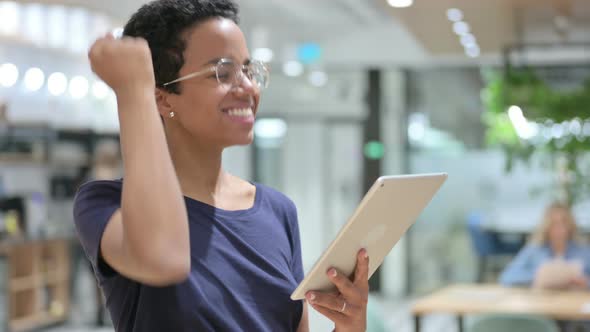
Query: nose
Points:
[245, 85]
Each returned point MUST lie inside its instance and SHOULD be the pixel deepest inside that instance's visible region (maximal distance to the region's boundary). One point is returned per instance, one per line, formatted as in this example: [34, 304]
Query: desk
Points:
[480, 299]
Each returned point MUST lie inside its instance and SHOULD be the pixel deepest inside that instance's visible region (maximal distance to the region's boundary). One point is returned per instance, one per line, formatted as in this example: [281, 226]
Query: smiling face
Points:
[217, 114]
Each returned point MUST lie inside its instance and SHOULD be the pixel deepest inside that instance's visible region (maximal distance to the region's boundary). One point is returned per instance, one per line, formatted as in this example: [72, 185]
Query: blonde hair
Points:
[540, 236]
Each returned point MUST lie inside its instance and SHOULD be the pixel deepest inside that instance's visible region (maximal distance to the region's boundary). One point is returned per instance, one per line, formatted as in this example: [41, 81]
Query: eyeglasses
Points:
[231, 74]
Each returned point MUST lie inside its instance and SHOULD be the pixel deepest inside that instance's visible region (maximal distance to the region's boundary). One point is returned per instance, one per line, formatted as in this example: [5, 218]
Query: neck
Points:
[559, 248]
[198, 165]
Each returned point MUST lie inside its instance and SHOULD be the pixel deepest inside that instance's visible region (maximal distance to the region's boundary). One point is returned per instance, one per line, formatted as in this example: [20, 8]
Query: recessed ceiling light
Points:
[454, 14]
[461, 28]
[468, 40]
[34, 79]
[400, 3]
[8, 75]
[473, 51]
[78, 87]
[57, 83]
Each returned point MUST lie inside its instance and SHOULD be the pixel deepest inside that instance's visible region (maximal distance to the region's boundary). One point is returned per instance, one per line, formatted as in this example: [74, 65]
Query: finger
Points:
[344, 285]
[334, 316]
[95, 50]
[326, 300]
[100, 43]
[361, 274]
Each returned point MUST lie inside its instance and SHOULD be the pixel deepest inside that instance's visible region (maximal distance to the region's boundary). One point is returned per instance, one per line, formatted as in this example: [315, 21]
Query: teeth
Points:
[244, 112]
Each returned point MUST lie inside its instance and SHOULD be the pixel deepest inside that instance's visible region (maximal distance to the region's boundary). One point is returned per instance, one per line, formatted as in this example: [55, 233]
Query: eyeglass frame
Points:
[213, 68]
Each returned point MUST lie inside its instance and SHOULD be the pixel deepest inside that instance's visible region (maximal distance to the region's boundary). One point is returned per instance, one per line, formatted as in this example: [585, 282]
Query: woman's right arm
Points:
[147, 239]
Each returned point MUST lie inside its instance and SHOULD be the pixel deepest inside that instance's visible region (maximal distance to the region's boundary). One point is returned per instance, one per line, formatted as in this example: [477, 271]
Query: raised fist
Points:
[124, 64]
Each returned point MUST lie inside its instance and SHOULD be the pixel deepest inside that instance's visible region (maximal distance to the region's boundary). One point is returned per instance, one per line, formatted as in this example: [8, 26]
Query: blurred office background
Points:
[358, 89]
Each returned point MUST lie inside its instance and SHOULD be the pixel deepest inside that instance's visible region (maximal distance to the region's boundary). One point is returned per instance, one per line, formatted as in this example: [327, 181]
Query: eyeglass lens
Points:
[231, 73]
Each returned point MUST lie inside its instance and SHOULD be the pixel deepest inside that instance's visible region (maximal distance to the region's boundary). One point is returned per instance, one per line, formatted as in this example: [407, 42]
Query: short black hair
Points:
[162, 24]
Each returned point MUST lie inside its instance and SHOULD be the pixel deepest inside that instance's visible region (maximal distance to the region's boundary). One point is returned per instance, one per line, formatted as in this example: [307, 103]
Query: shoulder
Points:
[275, 197]
[97, 193]
[579, 247]
[101, 185]
[278, 204]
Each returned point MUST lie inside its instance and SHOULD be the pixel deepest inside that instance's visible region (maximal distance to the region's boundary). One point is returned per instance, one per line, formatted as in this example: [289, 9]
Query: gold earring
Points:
[171, 115]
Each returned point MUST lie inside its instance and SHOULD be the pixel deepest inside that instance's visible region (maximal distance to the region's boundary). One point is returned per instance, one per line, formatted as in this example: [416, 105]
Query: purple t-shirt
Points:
[244, 266]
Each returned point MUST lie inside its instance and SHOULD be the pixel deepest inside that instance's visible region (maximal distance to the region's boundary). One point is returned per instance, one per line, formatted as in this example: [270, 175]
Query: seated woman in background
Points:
[553, 258]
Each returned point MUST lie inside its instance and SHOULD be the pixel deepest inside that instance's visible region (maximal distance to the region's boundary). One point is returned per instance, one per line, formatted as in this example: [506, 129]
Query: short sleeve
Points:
[94, 204]
[296, 259]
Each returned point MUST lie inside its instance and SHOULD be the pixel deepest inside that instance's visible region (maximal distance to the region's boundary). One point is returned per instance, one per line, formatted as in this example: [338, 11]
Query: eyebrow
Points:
[212, 61]
[216, 60]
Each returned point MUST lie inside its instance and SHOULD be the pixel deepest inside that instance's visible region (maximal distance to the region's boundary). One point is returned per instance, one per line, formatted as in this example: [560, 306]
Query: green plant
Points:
[547, 107]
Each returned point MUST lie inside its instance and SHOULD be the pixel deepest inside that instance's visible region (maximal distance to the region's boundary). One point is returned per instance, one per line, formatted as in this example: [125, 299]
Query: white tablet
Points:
[386, 212]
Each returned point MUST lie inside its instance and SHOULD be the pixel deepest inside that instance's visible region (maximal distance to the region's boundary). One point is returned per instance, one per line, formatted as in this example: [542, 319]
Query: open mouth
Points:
[239, 112]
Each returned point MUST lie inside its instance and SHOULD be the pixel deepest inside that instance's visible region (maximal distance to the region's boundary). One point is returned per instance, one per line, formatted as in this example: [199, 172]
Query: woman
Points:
[183, 245]
[553, 259]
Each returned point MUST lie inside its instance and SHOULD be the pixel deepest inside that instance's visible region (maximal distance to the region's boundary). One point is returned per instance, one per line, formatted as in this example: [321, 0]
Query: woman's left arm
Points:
[347, 308]
[304, 323]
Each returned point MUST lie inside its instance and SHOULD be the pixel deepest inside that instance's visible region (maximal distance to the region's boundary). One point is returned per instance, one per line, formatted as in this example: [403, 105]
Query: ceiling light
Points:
[473, 51]
[56, 26]
[78, 87]
[9, 17]
[57, 83]
[8, 75]
[400, 3]
[293, 68]
[461, 28]
[34, 79]
[468, 40]
[454, 14]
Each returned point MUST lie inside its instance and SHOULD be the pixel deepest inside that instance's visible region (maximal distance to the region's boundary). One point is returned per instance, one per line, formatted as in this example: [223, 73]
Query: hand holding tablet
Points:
[388, 209]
